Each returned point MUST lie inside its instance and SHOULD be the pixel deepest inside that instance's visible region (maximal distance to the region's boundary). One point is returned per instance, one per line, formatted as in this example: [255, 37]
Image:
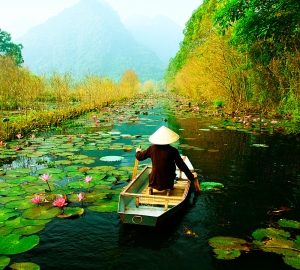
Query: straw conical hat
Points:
[163, 135]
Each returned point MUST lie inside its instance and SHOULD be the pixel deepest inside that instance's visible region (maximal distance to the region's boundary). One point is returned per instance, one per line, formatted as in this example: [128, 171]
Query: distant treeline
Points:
[243, 54]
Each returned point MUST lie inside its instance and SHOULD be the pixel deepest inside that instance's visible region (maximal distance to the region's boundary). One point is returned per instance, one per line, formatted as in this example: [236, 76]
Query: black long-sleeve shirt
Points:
[164, 160]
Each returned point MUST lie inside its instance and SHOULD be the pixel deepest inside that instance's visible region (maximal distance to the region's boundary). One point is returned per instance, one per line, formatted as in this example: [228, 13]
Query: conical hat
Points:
[163, 135]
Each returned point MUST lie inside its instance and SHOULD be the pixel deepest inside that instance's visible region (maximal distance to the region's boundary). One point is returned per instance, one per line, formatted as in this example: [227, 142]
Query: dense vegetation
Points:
[29, 102]
[243, 54]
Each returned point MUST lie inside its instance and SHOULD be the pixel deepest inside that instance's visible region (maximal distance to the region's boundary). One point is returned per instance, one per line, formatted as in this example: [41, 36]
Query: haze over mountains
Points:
[90, 38]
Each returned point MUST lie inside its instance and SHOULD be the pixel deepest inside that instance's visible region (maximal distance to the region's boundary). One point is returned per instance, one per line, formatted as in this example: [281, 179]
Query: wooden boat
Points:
[137, 206]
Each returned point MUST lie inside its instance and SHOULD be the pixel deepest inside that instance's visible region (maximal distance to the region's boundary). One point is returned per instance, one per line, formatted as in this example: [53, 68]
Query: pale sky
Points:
[18, 16]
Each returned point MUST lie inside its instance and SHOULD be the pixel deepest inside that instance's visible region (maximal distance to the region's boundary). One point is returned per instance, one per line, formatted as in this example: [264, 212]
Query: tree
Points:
[263, 28]
[130, 81]
[9, 48]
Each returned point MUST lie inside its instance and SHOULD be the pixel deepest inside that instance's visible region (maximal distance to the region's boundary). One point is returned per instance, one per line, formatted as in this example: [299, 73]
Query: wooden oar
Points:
[136, 163]
[196, 182]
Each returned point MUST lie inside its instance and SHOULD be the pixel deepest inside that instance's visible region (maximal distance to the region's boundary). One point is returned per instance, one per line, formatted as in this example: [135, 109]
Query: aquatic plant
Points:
[88, 179]
[267, 239]
[46, 177]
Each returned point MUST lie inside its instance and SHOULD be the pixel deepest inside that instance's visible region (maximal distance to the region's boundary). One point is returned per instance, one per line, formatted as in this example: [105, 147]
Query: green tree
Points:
[262, 28]
[9, 48]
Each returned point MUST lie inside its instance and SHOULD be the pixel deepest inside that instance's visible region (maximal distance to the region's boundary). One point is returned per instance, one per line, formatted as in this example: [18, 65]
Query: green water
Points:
[257, 181]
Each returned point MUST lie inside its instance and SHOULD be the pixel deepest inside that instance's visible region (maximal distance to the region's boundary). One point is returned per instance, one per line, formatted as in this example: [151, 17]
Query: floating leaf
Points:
[280, 246]
[259, 145]
[4, 261]
[71, 212]
[106, 206]
[7, 213]
[111, 158]
[21, 204]
[205, 186]
[41, 212]
[14, 244]
[27, 230]
[34, 222]
[227, 254]
[225, 242]
[25, 266]
[260, 234]
[5, 231]
[289, 223]
[292, 261]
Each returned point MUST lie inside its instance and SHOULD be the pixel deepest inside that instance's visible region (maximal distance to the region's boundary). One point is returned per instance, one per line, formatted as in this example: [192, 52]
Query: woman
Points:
[164, 160]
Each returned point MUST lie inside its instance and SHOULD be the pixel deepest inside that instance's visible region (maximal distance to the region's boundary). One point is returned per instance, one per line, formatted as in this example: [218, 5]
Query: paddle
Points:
[136, 163]
[196, 182]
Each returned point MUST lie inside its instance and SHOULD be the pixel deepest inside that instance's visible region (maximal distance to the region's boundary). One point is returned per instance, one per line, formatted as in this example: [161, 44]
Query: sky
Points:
[18, 16]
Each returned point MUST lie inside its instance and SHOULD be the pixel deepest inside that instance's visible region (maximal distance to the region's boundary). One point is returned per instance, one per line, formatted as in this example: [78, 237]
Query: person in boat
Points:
[164, 159]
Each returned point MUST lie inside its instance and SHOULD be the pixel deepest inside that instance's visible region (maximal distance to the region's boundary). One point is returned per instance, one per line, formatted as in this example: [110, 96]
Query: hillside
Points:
[88, 38]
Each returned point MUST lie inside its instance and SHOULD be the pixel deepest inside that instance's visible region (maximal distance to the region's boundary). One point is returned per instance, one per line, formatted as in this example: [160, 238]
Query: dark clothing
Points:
[164, 160]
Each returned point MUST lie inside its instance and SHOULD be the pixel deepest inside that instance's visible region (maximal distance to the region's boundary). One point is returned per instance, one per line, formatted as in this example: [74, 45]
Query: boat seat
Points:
[150, 189]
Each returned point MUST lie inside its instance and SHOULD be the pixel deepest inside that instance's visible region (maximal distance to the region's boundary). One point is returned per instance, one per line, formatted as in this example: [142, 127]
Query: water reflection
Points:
[257, 180]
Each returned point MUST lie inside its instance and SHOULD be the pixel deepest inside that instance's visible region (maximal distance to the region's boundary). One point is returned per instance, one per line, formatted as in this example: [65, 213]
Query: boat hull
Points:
[138, 207]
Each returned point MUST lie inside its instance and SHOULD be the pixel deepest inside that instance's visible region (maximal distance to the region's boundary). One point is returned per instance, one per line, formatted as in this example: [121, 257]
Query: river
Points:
[257, 182]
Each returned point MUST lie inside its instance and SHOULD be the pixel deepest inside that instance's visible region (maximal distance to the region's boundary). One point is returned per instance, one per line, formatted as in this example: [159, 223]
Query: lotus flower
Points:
[88, 179]
[36, 199]
[80, 196]
[46, 177]
[60, 202]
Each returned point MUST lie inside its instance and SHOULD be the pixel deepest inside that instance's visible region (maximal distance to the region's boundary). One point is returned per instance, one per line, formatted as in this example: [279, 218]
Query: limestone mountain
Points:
[161, 34]
[88, 38]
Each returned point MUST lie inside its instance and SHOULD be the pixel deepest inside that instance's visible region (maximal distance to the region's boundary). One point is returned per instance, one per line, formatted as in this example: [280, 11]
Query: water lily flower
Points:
[80, 196]
[1, 143]
[82, 136]
[94, 116]
[33, 136]
[36, 199]
[70, 137]
[273, 122]
[88, 179]
[60, 202]
[45, 177]
[19, 136]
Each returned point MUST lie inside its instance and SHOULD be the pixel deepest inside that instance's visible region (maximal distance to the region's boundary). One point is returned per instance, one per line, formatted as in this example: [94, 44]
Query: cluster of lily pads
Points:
[275, 240]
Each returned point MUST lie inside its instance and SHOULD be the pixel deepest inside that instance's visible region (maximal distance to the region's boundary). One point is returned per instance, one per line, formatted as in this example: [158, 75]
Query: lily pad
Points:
[260, 234]
[27, 230]
[111, 158]
[4, 261]
[14, 244]
[289, 223]
[227, 254]
[205, 186]
[5, 231]
[21, 204]
[7, 213]
[25, 266]
[41, 212]
[292, 261]
[71, 212]
[106, 206]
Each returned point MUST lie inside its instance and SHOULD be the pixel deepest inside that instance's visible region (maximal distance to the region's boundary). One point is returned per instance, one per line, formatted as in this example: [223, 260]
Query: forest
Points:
[238, 55]
[242, 54]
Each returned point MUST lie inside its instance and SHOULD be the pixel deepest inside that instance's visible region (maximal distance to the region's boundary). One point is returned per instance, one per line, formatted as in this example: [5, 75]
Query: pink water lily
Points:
[88, 179]
[45, 177]
[60, 202]
[33, 136]
[19, 136]
[36, 199]
[80, 196]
